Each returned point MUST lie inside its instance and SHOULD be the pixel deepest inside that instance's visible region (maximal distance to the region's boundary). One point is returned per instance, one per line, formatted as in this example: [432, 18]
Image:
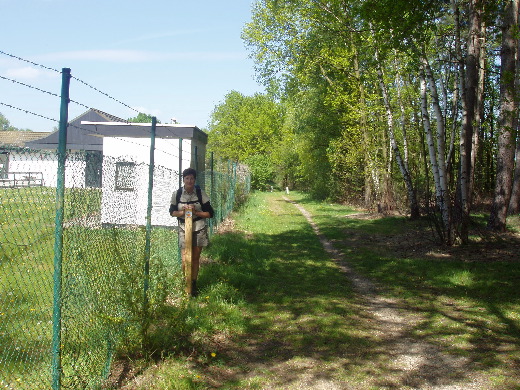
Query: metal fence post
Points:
[180, 162]
[212, 192]
[58, 238]
[196, 158]
[179, 254]
[148, 225]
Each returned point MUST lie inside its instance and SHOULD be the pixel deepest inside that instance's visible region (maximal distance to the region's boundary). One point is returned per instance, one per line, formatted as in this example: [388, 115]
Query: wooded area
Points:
[406, 104]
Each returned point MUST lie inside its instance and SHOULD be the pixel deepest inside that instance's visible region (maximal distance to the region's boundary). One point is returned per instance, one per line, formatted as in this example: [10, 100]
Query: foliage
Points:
[262, 171]
[5, 125]
[142, 118]
[320, 59]
[248, 129]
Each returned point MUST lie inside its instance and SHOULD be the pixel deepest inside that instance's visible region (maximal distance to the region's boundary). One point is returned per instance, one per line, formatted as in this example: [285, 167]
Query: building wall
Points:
[46, 164]
[125, 179]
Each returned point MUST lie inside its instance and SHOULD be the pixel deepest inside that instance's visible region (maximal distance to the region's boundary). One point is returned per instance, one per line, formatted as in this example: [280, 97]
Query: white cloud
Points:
[25, 73]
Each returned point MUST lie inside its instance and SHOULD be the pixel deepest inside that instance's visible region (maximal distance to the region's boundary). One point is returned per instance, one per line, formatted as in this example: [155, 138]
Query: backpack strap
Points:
[199, 196]
[178, 196]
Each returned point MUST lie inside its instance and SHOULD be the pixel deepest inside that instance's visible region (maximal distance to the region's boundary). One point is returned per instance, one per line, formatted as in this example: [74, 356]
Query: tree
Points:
[401, 162]
[248, 128]
[5, 125]
[471, 86]
[506, 137]
[141, 118]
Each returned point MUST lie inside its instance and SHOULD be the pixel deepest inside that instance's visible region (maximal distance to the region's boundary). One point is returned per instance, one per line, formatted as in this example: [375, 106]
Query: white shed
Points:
[126, 157]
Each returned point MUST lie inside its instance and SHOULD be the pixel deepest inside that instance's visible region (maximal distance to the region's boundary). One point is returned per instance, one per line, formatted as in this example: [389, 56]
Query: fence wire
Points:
[108, 295]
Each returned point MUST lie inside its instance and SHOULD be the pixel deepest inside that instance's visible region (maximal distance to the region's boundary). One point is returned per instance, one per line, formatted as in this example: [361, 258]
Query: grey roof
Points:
[143, 130]
[86, 132]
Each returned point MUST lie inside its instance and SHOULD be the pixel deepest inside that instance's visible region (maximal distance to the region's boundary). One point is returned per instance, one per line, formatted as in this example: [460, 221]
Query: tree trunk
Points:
[514, 203]
[506, 139]
[469, 104]
[436, 150]
[479, 111]
[369, 183]
[412, 198]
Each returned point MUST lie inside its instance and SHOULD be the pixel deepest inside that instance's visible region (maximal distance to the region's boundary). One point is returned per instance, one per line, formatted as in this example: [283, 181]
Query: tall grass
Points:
[103, 287]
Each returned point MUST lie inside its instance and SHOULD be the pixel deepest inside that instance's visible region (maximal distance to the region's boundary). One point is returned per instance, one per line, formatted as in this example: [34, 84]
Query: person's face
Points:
[189, 182]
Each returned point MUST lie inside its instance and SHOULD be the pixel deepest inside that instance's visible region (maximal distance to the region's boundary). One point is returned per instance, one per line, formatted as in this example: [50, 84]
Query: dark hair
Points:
[188, 172]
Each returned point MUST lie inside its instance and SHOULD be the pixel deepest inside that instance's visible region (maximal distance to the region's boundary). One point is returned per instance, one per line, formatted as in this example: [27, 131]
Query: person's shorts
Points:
[200, 237]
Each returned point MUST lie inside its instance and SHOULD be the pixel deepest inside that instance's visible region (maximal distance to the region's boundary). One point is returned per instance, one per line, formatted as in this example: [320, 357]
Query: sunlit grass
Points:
[469, 307]
[276, 290]
[288, 310]
[102, 280]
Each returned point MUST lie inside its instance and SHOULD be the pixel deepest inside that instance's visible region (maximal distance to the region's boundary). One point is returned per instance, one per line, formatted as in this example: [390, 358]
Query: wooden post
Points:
[188, 247]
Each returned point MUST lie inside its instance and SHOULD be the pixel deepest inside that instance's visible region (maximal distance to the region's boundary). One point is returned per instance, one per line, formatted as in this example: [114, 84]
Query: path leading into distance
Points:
[422, 365]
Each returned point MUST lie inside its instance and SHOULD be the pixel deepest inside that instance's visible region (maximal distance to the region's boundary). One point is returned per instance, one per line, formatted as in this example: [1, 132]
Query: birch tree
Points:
[436, 148]
[401, 163]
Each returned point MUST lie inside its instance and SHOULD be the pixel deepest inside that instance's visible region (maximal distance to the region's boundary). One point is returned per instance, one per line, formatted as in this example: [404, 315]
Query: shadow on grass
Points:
[300, 306]
[468, 296]
[305, 321]
[301, 318]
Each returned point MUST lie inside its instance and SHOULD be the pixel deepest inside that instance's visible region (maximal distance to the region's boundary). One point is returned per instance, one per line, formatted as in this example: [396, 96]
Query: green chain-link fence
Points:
[115, 274]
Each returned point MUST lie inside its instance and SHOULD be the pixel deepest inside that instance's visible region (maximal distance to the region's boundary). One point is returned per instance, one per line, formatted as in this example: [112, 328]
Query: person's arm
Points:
[201, 214]
[176, 213]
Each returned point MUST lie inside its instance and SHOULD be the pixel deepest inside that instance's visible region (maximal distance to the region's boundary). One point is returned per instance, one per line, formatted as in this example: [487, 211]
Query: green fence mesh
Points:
[110, 286]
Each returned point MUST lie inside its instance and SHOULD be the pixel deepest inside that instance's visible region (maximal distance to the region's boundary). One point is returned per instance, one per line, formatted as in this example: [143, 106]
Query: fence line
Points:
[103, 268]
[114, 249]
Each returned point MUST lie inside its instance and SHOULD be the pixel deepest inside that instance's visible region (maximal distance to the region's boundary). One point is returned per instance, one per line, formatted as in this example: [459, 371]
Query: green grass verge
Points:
[103, 288]
[273, 303]
[269, 294]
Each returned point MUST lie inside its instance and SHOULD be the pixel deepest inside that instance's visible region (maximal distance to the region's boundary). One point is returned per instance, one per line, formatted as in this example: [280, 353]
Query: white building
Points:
[107, 152]
[126, 158]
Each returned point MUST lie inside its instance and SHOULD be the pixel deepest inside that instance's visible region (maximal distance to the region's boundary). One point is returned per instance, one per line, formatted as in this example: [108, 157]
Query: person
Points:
[192, 197]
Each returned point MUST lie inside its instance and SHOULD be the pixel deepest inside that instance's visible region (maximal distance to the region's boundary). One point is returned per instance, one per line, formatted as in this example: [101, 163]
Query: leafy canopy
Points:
[142, 118]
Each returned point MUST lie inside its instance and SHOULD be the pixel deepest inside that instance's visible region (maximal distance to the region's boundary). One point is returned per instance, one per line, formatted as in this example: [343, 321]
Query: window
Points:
[125, 176]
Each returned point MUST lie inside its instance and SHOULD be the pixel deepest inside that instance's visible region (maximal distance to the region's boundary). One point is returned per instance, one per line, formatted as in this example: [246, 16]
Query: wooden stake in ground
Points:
[188, 245]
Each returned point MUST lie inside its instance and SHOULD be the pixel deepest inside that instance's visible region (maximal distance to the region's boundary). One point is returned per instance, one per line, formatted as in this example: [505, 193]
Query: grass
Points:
[103, 287]
[469, 296]
[274, 308]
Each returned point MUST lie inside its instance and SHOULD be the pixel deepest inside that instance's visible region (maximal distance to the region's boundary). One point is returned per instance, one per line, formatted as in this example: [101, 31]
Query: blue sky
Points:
[171, 59]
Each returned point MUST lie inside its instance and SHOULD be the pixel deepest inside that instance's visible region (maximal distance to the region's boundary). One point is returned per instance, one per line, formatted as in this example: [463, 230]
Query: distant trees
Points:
[249, 129]
[5, 125]
[142, 118]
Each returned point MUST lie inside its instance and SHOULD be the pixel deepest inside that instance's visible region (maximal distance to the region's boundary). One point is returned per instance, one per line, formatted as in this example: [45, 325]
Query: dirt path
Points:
[418, 364]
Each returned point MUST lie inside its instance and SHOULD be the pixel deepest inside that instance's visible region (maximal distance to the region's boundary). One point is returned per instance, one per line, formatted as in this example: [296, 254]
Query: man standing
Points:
[192, 197]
